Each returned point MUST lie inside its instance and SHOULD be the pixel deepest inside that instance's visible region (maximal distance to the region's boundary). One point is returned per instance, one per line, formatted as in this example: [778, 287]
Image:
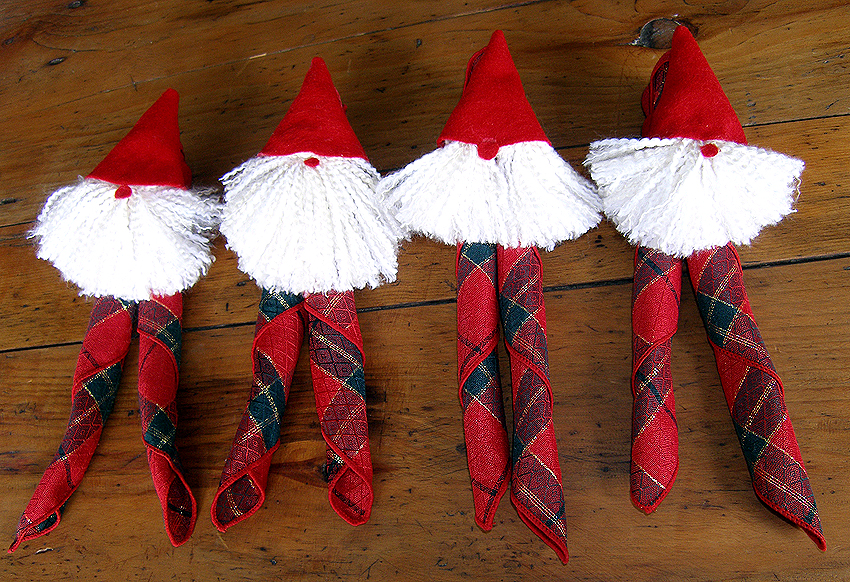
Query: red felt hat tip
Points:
[685, 99]
[316, 121]
[151, 153]
[493, 107]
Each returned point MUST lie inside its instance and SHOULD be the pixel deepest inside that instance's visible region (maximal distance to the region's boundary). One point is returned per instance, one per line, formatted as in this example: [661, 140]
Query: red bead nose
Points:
[312, 162]
[123, 191]
[709, 150]
[488, 149]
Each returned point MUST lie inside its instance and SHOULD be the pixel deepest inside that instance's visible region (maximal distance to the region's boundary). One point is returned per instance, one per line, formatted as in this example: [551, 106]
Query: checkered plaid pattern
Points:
[753, 389]
[93, 391]
[480, 389]
[336, 363]
[536, 486]
[277, 341]
[159, 371]
[655, 437]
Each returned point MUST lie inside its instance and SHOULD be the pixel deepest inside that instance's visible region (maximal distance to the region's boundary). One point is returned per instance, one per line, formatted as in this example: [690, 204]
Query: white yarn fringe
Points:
[664, 194]
[302, 229]
[156, 242]
[526, 196]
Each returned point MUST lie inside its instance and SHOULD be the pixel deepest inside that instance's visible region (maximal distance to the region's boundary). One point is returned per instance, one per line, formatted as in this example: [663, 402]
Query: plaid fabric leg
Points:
[93, 391]
[480, 389]
[655, 437]
[277, 341]
[336, 363]
[753, 389]
[536, 486]
[159, 373]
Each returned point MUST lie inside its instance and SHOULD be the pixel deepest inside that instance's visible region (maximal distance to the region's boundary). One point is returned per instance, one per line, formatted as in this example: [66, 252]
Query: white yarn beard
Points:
[156, 242]
[526, 196]
[300, 229]
[664, 194]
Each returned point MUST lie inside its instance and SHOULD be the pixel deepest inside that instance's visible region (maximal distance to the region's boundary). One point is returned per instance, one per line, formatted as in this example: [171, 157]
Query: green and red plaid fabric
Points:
[277, 342]
[95, 384]
[655, 438]
[753, 389]
[159, 327]
[536, 485]
[480, 389]
[336, 364]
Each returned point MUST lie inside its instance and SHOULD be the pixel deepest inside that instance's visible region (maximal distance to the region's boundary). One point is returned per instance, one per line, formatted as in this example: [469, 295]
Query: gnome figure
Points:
[306, 224]
[133, 235]
[497, 189]
[689, 190]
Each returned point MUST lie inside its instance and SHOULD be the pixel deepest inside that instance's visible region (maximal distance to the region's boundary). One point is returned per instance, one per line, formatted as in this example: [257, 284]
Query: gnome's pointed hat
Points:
[493, 110]
[685, 99]
[151, 154]
[316, 121]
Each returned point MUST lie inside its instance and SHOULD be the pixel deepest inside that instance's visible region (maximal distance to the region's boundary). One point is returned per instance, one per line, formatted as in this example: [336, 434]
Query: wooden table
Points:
[76, 76]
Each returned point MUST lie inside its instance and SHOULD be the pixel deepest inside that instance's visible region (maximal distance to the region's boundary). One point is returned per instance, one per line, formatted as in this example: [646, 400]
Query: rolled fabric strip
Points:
[480, 388]
[753, 390]
[277, 340]
[339, 385]
[536, 485]
[160, 333]
[655, 437]
[95, 384]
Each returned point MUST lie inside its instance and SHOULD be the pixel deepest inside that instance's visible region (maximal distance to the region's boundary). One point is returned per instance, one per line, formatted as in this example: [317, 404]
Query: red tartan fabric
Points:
[655, 437]
[93, 390]
[159, 351]
[336, 364]
[479, 386]
[277, 341]
[753, 389]
[536, 485]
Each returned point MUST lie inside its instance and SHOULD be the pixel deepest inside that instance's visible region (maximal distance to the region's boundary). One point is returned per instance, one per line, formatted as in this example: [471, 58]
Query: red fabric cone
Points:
[93, 391]
[479, 384]
[493, 110]
[655, 438]
[159, 364]
[339, 384]
[315, 121]
[277, 341]
[151, 154]
[685, 99]
[536, 485]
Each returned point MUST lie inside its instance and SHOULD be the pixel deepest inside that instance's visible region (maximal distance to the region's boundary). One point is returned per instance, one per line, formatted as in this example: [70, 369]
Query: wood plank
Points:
[400, 82]
[422, 524]
[226, 296]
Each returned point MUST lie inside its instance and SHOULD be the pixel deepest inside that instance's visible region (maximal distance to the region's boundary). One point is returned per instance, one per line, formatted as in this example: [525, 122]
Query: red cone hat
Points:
[151, 154]
[315, 121]
[493, 110]
[685, 99]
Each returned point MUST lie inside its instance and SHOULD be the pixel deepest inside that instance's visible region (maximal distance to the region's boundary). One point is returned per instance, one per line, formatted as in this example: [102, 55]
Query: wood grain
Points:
[76, 76]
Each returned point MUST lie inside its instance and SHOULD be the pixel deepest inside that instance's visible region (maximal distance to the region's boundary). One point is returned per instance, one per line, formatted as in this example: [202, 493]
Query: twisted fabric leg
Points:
[536, 486]
[655, 437]
[336, 363]
[753, 389]
[159, 374]
[480, 389]
[93, 391]
[277, 341]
